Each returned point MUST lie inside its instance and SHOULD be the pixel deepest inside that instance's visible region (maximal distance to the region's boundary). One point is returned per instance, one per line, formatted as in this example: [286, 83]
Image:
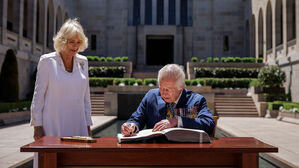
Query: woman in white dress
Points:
[61, 100]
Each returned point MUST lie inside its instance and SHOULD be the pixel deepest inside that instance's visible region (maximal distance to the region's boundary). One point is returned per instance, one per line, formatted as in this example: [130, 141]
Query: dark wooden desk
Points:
[226, 151]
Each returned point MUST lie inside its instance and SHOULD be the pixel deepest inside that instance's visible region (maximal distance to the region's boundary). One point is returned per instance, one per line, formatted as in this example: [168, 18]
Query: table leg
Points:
[250, 160]
[47, 160]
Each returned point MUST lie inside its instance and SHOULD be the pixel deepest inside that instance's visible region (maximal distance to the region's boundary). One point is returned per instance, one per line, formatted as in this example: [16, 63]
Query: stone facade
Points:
[143, 29]
[276, 27]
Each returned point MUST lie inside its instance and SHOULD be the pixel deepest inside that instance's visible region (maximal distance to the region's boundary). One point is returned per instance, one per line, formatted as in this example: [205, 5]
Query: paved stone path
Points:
[13, 137]
[281, 134]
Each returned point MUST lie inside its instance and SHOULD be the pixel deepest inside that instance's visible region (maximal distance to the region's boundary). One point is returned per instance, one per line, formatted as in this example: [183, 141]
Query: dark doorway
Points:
[159, 50]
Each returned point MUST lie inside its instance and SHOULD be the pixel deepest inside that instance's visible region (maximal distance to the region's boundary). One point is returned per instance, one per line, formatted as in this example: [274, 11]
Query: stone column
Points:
[297, 26]
[166, 6]
[256, 35]
[34, 26]
[130, 16]
[177, 12]
[4, 21]
[273, 32]
[154, 12]
[45, 27]
[21, 23]
[142, 11]
[284, 25]
[265, 35]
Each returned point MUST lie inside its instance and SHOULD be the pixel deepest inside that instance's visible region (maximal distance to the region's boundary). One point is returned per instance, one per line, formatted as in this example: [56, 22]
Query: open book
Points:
[172, 134]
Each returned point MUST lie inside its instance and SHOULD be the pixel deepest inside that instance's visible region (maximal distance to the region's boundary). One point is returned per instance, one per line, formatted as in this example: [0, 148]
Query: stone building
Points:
[156, 32]
[274, 29]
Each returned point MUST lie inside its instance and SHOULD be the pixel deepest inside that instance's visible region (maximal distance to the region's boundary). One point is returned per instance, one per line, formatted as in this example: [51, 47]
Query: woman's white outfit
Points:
[61, 100]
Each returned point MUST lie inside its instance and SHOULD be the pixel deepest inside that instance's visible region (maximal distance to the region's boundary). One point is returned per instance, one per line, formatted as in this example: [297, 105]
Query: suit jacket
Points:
[153, 109]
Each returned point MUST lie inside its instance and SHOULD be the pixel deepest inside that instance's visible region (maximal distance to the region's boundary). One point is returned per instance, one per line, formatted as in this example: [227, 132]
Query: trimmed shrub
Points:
[226, 72]
[226, 82]
[147, 81]
[187, 82]
[223, 59]
[117, 59]
[124, 59]
[194, 82]
[230, 59]
[285, 104]
[270, 97]
[9, 81]
[202, 60]
[248, 59]
[109, 59]
[100, 82]
[237, 59]
[254, 82]
[139, 82]
[128, 81]
[209, 59]
[259, 60]
[103, 59]
[106, 71]
[194, 59]
[216, 60]
[116, 81]
[90, 58]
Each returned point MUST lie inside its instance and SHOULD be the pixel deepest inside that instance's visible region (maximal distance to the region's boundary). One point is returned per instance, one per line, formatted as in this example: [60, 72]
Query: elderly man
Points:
[170, 106]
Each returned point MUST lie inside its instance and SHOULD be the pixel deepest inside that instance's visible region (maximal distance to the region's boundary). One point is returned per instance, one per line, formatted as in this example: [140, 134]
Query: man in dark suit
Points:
[170, 105]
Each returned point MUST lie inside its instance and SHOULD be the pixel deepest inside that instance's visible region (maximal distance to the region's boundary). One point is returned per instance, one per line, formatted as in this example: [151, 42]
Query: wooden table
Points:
[224, 151]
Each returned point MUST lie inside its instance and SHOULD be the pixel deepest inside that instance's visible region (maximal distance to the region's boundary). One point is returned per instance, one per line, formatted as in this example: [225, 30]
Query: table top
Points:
[225, 144]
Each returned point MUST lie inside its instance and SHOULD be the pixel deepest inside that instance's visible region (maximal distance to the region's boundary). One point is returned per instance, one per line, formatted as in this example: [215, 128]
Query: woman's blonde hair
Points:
[69, 29]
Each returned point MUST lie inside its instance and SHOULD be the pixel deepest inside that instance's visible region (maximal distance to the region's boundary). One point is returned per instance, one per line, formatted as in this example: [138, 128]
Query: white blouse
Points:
[61, 100]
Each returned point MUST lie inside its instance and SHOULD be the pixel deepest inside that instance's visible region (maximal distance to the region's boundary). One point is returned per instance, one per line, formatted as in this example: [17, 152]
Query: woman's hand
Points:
[38, 132]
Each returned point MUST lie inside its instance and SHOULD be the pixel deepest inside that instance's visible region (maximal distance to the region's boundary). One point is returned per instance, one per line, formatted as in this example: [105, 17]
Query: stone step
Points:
[235, 107]
[232, 100]
[234, 104]
[231, 96]
[97, 102]
[236, 110]
[237, 114]
[97, 98]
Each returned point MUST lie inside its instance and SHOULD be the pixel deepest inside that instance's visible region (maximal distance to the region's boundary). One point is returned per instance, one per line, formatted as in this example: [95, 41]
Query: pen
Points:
[130, 127]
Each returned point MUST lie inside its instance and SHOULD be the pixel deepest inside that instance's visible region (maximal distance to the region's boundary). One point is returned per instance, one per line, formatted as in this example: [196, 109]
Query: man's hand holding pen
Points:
[128, 129]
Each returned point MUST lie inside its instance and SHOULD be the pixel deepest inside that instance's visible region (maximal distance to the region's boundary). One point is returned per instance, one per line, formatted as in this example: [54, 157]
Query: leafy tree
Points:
[271, 76]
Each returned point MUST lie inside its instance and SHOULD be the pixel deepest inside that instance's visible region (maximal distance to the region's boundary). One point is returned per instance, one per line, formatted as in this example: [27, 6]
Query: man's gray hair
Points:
[172, 71]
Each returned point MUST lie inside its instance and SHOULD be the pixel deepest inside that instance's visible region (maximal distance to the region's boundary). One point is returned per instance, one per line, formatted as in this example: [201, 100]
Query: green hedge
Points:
[270, 97]
[104, 82]
[18, 106]
[150, 80]
[285, 104]
[213, 82]
[226, 72]
[107, 71]
[229, 59]
[108, 59]
[227, 82]
[100, 82]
